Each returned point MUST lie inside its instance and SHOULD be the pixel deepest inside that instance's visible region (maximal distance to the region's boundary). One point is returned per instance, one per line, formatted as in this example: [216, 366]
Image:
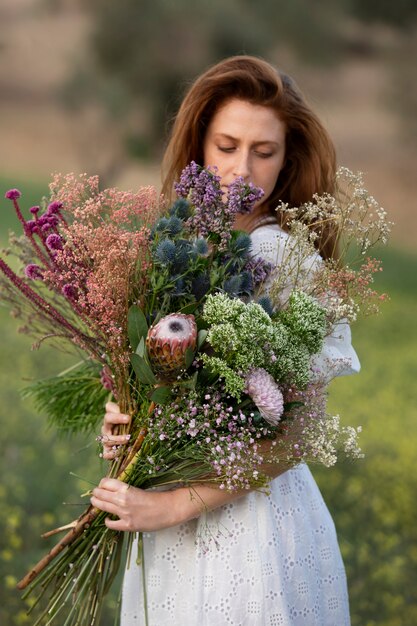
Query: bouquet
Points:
[208, 348]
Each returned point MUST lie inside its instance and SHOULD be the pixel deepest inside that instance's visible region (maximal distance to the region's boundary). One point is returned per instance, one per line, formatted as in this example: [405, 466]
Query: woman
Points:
[274, 559]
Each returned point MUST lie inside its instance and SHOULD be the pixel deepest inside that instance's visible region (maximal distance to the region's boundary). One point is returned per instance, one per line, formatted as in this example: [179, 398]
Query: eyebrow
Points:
[256, 143]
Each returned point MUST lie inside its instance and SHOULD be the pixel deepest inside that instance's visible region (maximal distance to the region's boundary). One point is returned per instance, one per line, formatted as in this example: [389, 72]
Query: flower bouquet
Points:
[190, 334]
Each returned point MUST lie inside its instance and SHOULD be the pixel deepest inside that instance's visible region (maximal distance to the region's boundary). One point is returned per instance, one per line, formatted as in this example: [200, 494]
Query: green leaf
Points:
[137, 326]
[201, 337]
[189, 308]
[140, 350]
[142, 370]
[189, 357]
[162, 395]
[191, 382]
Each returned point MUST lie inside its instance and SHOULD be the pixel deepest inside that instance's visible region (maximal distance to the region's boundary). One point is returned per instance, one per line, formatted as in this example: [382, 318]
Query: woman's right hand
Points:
[111, 441]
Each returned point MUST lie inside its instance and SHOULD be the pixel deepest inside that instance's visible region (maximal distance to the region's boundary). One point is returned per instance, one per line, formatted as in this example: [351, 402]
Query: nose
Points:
[242, 165]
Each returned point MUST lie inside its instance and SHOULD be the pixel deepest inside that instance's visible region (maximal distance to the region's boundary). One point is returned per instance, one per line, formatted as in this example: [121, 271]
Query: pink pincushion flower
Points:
[168, 341]
[266, 394]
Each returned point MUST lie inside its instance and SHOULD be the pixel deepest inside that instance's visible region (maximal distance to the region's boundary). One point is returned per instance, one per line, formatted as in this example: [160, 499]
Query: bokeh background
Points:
[92, 86]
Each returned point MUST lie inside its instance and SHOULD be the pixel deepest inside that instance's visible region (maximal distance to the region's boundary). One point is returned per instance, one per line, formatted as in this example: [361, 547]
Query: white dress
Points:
[272, 560]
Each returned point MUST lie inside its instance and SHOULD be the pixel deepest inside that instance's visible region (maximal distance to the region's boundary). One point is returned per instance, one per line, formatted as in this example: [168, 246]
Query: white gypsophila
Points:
[324, 438]
[266, 394]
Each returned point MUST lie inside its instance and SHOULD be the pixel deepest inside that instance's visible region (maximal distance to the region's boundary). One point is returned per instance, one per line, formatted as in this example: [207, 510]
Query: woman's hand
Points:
[140, 510]
[110, 441]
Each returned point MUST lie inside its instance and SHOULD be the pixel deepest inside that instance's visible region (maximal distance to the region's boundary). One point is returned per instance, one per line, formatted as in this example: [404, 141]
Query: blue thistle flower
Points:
[182, 255]
[173, 226]
[233, 285]
[266, 304]
[161, 224]
[200, 285]
[181, 208]
[200, 247]
[166, 252]
[179, 286]
[246, 283]
[241, 245]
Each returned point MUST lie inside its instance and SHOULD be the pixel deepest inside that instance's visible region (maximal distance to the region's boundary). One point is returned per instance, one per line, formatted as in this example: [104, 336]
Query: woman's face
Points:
[247, 140]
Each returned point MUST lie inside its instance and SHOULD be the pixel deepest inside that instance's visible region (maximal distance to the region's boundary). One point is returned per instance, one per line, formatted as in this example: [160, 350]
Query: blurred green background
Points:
[92, 87]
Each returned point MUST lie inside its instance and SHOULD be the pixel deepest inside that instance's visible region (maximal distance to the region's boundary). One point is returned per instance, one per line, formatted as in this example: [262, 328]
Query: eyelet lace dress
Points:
[261, 560]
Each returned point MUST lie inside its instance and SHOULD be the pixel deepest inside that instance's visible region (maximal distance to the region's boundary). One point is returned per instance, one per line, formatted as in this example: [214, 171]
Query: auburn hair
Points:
[310, 161]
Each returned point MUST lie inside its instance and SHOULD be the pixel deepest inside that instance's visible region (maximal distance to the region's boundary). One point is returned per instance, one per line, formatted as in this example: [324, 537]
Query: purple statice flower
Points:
[12, 194]
[34, 210]
[242, 196]
[259, 268]
[33, 271]
[54, 242]
[266, 394]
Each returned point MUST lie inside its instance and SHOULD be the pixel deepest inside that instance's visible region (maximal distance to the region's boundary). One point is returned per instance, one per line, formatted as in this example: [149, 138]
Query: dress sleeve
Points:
[337, 357]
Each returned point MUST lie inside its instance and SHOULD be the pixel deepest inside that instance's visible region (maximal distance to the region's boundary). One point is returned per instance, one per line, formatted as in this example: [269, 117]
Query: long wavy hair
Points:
[310, 161]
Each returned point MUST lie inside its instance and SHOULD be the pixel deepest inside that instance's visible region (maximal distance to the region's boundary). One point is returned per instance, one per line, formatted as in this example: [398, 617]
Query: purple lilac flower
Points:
[12, 194]
[242, 196]
[213, 215]
[266, 394]
[259, 268]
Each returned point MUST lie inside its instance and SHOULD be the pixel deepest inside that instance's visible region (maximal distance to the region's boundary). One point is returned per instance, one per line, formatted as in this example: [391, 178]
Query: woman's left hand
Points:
[140, 510]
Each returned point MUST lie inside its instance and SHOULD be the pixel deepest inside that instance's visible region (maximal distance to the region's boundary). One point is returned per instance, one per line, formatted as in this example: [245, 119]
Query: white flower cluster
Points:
[243, 336]
[324, 437]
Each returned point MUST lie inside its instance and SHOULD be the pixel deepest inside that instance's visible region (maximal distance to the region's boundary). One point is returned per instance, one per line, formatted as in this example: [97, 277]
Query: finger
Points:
[112, 484]
[116, 418]
[116, 524]
[112, 440]
[104, 505]
[112, 419]
[112, 407]
[112, 452]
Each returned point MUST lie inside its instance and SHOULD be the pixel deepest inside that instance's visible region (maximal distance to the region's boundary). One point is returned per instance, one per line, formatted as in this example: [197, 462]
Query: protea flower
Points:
[266, 394]
[167, 343]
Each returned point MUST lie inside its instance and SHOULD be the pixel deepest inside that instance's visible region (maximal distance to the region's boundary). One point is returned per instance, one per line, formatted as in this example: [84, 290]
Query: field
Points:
[372, 501]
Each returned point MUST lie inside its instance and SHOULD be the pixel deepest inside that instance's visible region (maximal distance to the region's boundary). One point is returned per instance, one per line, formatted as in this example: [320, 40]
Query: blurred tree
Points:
[402, 13]
[151, 50]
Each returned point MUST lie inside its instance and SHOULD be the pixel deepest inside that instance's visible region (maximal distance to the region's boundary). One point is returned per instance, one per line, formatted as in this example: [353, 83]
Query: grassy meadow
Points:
[372, 500]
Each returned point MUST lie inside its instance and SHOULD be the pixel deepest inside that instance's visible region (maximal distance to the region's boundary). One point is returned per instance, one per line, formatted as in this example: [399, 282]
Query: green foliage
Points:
[73, 401]
[373, 501]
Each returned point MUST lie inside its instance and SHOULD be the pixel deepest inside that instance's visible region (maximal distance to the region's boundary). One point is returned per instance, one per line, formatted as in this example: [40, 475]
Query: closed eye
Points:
[226, 148]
